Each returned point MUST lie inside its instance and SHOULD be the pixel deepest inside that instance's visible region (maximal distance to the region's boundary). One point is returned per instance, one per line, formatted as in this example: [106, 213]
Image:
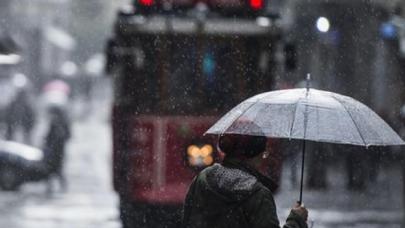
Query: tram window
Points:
[219, 76]
[211, 76]
[182, 77]
[138, 86]
[234, 73]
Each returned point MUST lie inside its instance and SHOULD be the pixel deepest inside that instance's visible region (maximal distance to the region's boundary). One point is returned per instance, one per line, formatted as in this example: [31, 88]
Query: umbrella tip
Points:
[308, 81]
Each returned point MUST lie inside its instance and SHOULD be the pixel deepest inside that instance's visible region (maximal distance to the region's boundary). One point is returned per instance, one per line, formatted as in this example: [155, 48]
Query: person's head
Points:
[242, 146]
[251, 149]
[247, 142]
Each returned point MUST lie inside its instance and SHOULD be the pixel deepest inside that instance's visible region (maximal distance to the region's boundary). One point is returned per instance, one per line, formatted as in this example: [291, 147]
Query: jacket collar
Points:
[241, 165]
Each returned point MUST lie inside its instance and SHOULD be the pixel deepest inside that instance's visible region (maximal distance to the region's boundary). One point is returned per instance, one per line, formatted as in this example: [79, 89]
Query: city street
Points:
[90, 201]
[341, 208]
[187, 80]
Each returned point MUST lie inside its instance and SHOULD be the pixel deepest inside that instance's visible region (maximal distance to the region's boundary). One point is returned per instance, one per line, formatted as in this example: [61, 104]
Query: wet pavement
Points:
[379, 206]
[90, 201]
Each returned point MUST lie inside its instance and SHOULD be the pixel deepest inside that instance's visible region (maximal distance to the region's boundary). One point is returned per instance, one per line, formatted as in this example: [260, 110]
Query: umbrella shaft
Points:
[302, 171]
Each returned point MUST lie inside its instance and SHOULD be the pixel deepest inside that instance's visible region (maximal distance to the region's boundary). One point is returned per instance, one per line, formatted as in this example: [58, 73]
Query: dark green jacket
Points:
[233, 195]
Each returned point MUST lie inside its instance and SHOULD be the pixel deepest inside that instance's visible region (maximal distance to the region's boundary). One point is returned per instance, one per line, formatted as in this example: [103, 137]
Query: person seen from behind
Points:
[55, 141]
[20, 115]
[237, 192]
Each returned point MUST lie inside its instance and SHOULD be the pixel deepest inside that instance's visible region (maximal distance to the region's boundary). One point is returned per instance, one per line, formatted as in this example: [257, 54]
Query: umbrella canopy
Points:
[308, 114]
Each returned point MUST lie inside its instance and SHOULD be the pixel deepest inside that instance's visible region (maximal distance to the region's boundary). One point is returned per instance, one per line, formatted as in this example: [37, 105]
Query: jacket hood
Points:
[229, 184]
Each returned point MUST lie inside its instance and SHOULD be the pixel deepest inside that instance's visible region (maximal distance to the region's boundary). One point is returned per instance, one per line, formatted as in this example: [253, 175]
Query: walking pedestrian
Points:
[55, 141]
[402, 134]
[356, 166]
[20, 115]
[237, 192]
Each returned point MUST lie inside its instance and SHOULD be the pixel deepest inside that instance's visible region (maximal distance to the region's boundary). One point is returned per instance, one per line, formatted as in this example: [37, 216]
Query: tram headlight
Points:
[200, 155]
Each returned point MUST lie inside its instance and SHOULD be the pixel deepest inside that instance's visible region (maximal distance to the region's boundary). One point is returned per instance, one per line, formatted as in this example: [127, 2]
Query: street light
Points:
[68, 69]
[323, 24]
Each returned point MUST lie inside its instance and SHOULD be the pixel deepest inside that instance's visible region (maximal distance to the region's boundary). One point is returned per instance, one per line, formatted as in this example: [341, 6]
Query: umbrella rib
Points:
[351, 117]
[238, 116]
[295, 113]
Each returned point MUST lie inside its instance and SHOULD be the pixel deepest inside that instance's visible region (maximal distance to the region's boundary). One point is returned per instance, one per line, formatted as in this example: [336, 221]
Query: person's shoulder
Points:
[202, 175]
[261, 200]
[262, 192]
[207, 170]
[231, 181]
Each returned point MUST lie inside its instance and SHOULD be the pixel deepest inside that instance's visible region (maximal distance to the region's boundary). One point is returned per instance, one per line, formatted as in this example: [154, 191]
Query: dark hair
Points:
[242, 145]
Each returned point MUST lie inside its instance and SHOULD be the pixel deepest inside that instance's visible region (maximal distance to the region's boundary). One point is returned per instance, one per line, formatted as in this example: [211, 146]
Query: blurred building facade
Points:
[359, 52]
[355, 55]
[40, 28]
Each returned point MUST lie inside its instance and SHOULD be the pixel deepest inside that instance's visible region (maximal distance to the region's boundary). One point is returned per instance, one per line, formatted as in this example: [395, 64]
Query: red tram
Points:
[177, 66]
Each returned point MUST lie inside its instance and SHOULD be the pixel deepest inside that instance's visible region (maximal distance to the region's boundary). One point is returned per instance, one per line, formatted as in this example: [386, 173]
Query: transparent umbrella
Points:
[308, 114]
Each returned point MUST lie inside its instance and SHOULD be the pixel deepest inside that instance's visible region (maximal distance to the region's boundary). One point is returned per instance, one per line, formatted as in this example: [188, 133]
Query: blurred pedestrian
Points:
[56, 93]
[317, 166]
[20, 114]
[402, 134]
[291, 159]
[55, 142]
[376, 156]
[356, 167]
[237, 192]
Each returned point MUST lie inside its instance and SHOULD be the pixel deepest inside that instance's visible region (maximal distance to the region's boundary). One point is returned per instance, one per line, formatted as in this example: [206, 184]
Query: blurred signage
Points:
[388, 30]
[178, 2]
[59, 37]
[166, 3]
[399, 23]
[227, 3]
[223, 4]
